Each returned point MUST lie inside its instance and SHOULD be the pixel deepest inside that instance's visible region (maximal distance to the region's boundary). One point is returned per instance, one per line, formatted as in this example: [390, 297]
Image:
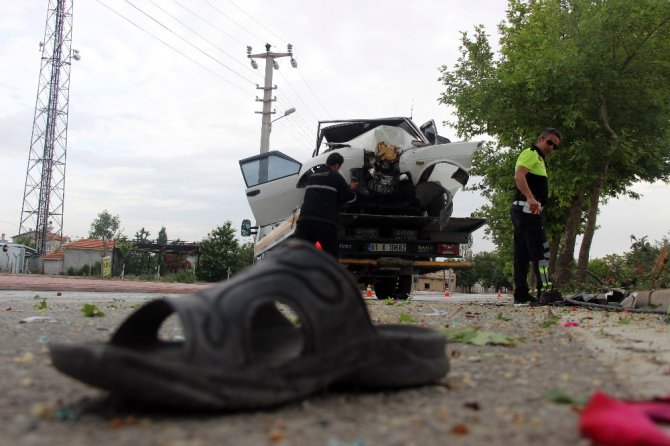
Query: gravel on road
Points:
[527, 391]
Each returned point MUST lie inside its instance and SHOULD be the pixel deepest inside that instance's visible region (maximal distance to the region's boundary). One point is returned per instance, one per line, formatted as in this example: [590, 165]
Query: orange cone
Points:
[368, 293]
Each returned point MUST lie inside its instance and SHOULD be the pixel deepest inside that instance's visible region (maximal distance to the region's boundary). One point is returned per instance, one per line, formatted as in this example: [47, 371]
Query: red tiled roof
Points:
[90, 244]
[54, 255]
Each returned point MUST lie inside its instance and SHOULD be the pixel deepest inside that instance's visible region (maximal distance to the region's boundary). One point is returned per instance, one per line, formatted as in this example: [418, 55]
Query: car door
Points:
[271, 180]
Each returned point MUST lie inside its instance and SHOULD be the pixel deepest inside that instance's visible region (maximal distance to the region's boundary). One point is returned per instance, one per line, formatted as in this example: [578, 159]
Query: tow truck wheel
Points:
[394, 287]
[384, 287]
[404, 286]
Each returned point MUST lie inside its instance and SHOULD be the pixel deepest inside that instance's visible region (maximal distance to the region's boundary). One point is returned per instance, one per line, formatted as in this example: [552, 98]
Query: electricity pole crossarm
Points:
[270, 63]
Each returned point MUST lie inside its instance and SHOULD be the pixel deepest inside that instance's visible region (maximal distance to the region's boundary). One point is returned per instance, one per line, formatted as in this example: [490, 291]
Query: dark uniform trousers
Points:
[530, 245]
[319, 231]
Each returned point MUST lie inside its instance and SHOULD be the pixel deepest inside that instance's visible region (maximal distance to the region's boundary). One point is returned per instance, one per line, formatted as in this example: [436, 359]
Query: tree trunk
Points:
[554, 244]
[596, 190]
[566, 255]
[590, 228]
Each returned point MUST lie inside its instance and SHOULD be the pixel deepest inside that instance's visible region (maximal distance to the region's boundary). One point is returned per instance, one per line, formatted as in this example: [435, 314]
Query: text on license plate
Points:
[387, 247]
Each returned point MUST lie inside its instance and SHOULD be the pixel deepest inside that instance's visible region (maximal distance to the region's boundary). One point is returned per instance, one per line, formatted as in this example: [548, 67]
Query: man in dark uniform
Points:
[532, 193]
[325, 191]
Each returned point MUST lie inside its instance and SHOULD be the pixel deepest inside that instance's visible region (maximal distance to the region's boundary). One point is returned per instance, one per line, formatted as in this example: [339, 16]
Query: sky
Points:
[163, 102]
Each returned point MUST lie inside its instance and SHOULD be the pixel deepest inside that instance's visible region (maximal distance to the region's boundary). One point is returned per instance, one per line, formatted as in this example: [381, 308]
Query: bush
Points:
[180, 277]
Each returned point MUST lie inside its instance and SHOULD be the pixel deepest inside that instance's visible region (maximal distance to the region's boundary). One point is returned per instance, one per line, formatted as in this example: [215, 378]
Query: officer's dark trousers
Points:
[317, 231]
[530, 245]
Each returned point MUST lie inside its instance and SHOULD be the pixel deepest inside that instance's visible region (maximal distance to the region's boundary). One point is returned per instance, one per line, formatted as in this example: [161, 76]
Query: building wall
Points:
[13, 260]
[438, 281]
[431, 284]
[54, 267]
[77, 258]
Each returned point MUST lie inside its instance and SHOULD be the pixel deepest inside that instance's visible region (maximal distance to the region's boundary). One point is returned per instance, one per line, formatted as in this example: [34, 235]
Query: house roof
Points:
[54, 255]
[50, 236]
[94, 244]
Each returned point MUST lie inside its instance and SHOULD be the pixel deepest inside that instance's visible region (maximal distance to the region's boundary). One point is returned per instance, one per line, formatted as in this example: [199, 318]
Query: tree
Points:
[220, 254]
[105, 227]
[247, 254]
[590, 68]
[490, 270]
[124, 248]
[162, 240]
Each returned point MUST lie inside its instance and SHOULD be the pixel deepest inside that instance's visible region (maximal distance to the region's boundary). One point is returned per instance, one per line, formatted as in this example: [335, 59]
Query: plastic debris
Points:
[606, 420]
[436, 312]
[33, 319]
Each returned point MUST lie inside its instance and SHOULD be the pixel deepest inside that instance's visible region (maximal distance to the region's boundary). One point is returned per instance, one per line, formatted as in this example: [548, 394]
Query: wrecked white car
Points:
[401, 221]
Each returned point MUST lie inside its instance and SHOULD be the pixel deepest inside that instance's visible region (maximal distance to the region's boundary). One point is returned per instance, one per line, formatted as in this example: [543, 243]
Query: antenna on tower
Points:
[44, 193]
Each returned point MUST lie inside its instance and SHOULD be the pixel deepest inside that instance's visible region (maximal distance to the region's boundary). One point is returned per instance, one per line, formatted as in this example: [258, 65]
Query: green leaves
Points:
[91, 310]
[590, 69]
[221, 254]
[476, 337]
[560, 397]
[551, 320]
[405, 318]
[105, 226]
[40, 303]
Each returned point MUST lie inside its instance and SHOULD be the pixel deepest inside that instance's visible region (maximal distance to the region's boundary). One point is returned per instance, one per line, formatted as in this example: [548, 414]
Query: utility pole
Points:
[267, 100]
[43, 196]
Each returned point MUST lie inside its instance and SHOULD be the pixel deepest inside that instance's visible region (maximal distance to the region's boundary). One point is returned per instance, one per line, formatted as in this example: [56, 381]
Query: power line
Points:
[315, 96]
[260, 40]
[211, 24]
[254, 19]
[296, 93]
[303, 128]
[197, 33]
[283, 40]
[189, 43]
[172, 48]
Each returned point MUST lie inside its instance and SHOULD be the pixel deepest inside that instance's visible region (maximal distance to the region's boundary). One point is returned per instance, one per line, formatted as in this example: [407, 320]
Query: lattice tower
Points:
[44, 193]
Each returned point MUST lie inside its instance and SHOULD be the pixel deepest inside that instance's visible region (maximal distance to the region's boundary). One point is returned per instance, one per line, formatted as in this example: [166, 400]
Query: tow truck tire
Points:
[384, 287]
[394, 287]
[404, 287]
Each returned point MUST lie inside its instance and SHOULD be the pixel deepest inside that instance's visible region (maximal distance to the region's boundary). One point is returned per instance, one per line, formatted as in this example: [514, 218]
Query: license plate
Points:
[387, 247]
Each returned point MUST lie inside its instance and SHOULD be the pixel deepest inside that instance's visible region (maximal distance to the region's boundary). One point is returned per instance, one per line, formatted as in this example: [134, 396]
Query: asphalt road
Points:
[492, 395]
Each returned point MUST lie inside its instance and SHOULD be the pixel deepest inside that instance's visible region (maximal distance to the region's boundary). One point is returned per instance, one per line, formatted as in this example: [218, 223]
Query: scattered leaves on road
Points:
[476, 337]
[91, 310]
[40, 303]
[551, 320]
[560, 397]
[502, 317]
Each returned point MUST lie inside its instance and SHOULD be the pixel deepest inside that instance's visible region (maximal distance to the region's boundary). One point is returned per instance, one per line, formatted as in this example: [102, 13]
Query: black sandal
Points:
[241, 351]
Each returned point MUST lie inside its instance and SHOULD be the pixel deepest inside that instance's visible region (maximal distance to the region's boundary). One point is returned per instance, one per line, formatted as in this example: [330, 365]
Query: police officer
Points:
[325, 192]
[530, 198]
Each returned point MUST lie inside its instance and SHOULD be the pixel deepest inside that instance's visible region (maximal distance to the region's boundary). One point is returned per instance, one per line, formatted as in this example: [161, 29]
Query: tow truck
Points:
[400, 225]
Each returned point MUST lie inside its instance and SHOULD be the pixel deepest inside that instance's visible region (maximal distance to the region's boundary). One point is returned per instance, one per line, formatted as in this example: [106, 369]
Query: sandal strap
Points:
[218, 321]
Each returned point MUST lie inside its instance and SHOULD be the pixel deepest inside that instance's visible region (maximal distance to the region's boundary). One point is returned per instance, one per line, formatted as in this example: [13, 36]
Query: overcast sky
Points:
[155, 133]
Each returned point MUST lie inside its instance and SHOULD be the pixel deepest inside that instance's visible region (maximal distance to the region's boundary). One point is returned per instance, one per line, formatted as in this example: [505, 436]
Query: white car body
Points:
[401, 169]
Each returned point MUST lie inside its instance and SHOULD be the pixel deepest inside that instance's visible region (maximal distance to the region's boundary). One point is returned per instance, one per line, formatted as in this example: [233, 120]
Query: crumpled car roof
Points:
[345, 130]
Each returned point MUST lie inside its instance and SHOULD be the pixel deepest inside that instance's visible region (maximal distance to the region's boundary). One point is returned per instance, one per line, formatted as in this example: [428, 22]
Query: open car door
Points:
[271, 180]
